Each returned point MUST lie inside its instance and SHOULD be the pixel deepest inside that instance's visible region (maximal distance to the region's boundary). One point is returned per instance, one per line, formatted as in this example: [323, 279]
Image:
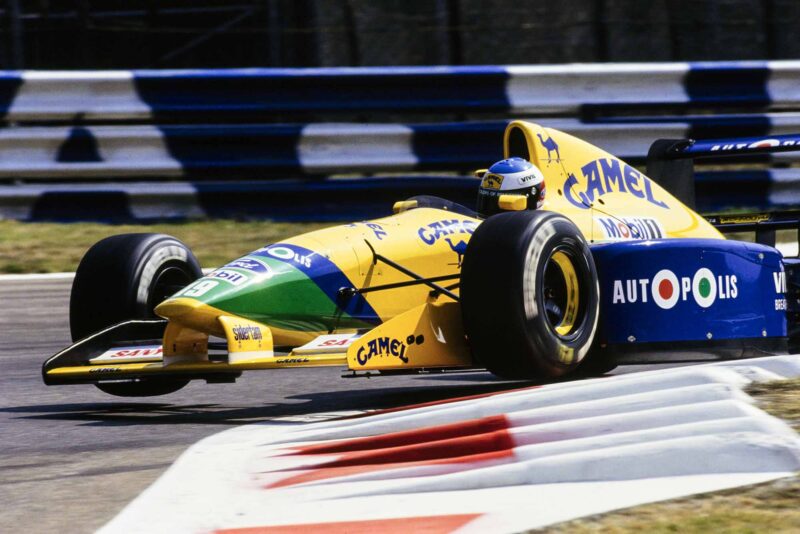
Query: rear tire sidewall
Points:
[557, 354]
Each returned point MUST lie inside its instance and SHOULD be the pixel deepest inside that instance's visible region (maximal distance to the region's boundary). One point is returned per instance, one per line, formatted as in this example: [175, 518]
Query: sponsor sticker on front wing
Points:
[331, 343]
[142, 353]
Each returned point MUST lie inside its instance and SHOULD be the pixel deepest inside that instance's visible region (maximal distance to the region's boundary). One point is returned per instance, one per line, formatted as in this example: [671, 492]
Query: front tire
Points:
[529, 295]
[124, 277]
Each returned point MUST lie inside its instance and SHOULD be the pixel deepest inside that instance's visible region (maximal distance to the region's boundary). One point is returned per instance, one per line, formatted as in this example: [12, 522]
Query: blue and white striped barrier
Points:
[535, 89]
[62, 125]
[507, 462]
[268, 150]
[283, 200]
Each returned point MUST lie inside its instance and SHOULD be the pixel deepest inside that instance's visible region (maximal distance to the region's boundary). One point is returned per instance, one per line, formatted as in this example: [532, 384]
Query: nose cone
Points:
[175, 309]
[192, 313]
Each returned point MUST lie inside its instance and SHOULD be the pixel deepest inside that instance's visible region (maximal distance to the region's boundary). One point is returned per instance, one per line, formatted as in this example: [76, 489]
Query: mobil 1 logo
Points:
[666, 289]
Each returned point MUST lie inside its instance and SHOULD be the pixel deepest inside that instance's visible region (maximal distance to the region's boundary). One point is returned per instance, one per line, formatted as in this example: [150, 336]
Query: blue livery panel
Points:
[689, 290]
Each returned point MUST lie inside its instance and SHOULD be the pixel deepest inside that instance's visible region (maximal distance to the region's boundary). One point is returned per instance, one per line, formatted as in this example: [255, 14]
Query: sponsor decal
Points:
[551, 146]
[762, 143]
[459, 248]
[232, 277]
[199, 288]
[435, 231]
[249, 264]
[387, 346]
[337, 342]
[666, 289]
[129, 354]
[604, 176]
[327, 343]
[492, 181]
[246, 333]
[135, 353]
[745, 219]
[286, 254]
[447, 230]
[293, 360]
[779, 279]
[103, 370]
[376, 228]
[630, 228]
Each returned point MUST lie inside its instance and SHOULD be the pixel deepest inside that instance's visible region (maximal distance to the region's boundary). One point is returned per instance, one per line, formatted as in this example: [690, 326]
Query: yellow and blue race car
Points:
[574, 262]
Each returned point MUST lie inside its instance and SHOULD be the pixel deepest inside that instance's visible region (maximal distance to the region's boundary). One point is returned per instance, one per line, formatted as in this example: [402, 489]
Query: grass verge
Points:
[770, 507]
[53, 247]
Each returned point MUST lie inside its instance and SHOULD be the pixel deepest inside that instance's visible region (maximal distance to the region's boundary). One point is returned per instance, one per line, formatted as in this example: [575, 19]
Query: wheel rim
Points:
[561, 293]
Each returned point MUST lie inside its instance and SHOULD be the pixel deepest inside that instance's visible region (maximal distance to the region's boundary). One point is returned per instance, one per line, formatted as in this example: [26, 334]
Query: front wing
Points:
[429, 336]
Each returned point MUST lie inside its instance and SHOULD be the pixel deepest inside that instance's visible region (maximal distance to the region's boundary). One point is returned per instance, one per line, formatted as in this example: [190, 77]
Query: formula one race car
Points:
[613, 268]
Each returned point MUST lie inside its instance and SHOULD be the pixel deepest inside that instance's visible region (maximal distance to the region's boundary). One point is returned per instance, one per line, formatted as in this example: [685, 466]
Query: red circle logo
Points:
[665, 289]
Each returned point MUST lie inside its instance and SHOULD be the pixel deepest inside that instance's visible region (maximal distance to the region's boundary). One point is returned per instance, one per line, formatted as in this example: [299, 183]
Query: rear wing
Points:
[670, 162]
[763, 224]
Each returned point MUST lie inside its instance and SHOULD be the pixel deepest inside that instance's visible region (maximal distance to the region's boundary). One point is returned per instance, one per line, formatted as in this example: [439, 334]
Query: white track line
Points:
[33, 277]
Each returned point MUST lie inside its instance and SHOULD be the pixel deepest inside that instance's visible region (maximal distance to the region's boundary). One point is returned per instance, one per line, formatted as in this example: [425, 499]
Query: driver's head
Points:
[512, 176]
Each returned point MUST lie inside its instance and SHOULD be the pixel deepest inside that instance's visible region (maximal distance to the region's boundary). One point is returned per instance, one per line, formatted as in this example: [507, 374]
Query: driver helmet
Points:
[511, 176]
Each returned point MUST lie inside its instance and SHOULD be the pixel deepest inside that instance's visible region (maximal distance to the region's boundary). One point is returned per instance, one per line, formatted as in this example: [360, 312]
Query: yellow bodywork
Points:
[586, 184]
[428, 336]
[606, 198]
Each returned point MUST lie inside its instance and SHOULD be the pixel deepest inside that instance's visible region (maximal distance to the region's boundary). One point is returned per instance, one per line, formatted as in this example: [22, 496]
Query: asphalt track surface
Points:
[71, 457]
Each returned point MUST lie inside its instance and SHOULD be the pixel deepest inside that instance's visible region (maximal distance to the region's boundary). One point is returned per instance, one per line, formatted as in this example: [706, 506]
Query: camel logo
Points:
[449, 231]
[607, 175]
[387, 346]
[551, 146]
[459, 248]
[492, 181]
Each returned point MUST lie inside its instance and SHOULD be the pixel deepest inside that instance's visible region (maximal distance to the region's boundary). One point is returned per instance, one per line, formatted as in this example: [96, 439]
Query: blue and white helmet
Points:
[512, 176]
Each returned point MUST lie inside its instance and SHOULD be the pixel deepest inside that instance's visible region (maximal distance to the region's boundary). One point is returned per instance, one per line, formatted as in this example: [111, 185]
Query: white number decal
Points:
[200, 288]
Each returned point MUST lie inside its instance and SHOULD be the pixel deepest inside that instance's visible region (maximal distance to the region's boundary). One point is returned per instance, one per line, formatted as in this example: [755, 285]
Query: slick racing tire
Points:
[529, 295]
[596, 363]
[124, 277]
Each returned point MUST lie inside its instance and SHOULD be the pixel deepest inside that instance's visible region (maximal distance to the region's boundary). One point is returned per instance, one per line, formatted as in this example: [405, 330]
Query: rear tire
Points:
[124, 277]
[529, 295]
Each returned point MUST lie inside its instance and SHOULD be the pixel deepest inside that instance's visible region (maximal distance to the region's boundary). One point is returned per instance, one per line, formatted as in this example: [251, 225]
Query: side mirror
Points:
[480, 173]
[404, 205]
